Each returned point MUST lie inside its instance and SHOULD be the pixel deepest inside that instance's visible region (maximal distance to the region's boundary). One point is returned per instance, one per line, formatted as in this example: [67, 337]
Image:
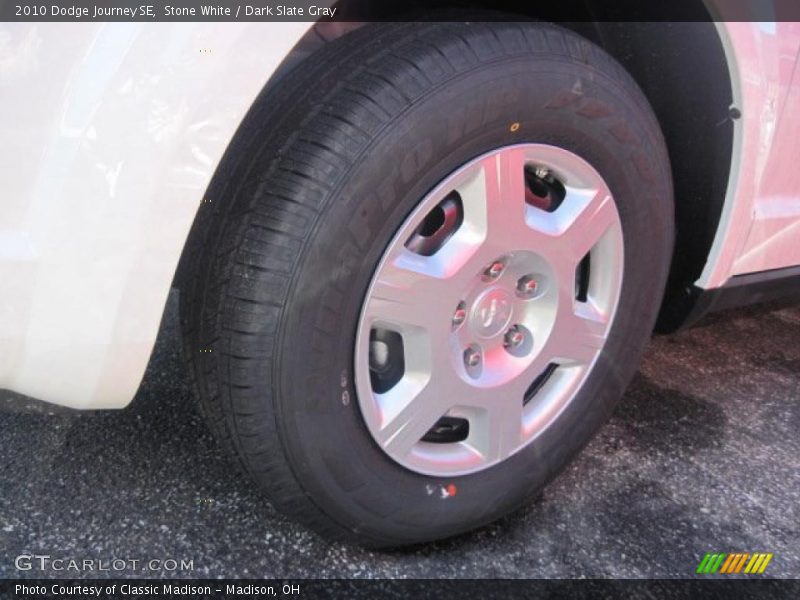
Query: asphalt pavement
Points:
[702, 455]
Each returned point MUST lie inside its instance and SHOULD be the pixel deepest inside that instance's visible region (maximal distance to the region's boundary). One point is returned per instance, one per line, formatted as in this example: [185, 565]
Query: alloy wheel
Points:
[488, 309]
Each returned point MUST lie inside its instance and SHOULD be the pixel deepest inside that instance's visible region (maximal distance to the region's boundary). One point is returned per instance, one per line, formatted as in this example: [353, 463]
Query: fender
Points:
[117, 129]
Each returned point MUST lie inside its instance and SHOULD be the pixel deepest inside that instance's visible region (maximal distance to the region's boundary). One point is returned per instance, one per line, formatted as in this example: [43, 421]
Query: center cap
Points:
[491, 312]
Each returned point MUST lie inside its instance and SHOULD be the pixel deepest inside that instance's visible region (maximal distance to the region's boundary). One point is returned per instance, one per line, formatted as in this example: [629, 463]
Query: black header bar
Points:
[148, 11]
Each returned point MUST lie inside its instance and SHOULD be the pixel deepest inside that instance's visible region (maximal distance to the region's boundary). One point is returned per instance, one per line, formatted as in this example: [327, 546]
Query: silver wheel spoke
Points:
[504, 427]
[505, 198]
[579, 334]
[405, 285]
[588, 215]
[421, 412]
[494, 208]
[566, 235]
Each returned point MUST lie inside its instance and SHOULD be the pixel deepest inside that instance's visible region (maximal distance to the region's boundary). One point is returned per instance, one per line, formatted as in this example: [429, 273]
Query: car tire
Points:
[329, 166]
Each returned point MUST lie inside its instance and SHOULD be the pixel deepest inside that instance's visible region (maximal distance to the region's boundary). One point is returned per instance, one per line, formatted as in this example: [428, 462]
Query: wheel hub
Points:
[491, 313]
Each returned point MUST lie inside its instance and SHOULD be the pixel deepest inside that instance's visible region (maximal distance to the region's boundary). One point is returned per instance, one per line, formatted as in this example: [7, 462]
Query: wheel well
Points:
[682, 69]
[683, 72]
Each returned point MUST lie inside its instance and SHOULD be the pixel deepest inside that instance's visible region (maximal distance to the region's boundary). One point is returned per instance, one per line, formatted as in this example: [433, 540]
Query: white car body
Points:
[112, 132]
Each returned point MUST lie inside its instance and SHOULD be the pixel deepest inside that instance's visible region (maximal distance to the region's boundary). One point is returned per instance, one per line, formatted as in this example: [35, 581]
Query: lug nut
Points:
[494, 270]
[472, 358]
[513, 338]
[460, 315]
[527, 286]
